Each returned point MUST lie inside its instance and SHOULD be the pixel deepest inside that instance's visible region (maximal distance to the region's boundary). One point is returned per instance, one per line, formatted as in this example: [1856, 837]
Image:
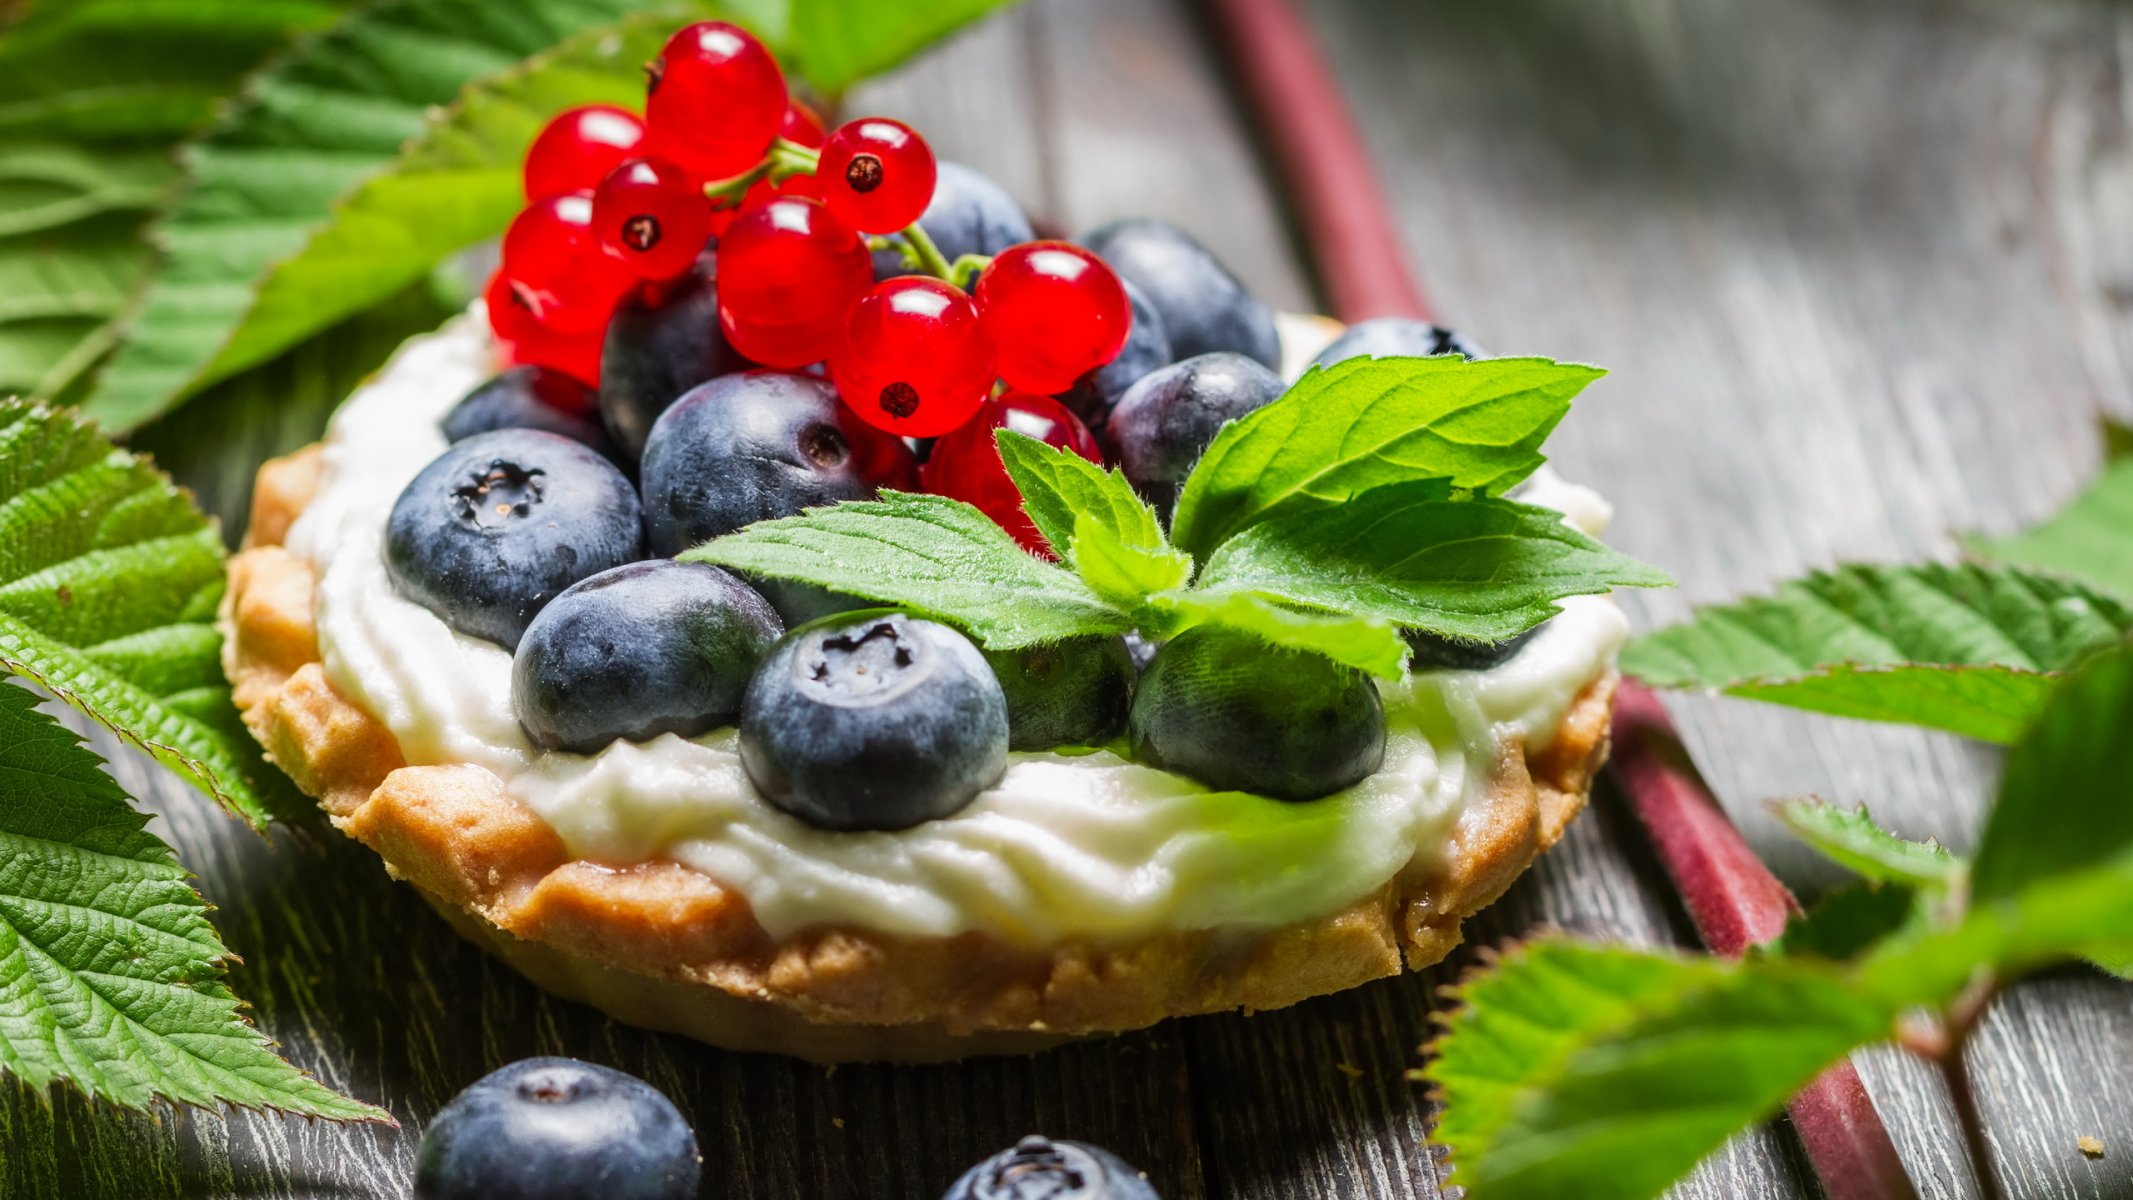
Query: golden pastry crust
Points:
[662, 945]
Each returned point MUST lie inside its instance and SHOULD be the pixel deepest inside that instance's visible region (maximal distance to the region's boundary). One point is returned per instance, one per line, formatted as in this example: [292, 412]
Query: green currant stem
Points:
[964, 271]
[728, 192]
[930, 258]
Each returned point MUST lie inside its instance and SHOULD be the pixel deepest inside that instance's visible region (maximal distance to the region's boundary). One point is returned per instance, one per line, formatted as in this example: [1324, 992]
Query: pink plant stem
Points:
[1734, 899]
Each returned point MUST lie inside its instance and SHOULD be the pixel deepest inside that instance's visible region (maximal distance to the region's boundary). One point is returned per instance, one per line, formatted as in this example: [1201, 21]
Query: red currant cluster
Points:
[725, 156]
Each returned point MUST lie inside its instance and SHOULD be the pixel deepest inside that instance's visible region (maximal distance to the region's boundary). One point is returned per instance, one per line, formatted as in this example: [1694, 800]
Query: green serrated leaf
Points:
[109, 579]
[1849, 922]
[937, 556]
[1851, 837]
[1059, 488]
[1369, 422]
[1365, 643]
[1480, 570]
[836, 43]
[1126, 575]
[1967, 648]
[111, 977]
[2091, 538]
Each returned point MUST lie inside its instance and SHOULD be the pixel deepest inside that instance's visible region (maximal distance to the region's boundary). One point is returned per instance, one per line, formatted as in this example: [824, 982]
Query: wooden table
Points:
[1864, 275]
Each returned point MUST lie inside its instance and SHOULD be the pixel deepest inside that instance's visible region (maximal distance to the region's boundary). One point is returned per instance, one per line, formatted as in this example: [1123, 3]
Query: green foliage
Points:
[2091, 538]
[837, 43]
[1969, 649]
[111, 976]
[109, 579]
[1060, 488]
[1365, 643]
[1850, 836]
[1849, 922]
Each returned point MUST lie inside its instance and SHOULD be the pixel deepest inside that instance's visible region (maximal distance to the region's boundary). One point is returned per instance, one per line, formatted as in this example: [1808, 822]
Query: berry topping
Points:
[559, 269]
[637, 651]
[1427, 650]
[558, 1129]
[1383, 337]
[1055, 311]
[1071, 693]
[788, 273]
[1237, 713]
[498, 524]
[802, 126]
[1204, 308]
[649, 214]
[966, 465]
[1147, 349]
[714, 99]
[876, 174]
[874, 720]
[577, 149]
[1039, 1168]
[914, 359]
[969, 214]
[1163, 423]
[663, 340]
[761, 444]
[529, 398]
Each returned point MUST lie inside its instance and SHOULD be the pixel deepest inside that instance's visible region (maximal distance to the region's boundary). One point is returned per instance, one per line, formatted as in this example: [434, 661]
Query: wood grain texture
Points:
[1862, 273]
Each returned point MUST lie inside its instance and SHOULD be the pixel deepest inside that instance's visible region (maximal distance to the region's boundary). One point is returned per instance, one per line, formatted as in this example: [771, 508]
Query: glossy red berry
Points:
[714, 100]
[521, 340]
[802, 126]
[877, 174]
[913, 360]
[566, 277]
[788, 273]
[965, 464]
[649, 213]
[577, 149]
[1055, 311]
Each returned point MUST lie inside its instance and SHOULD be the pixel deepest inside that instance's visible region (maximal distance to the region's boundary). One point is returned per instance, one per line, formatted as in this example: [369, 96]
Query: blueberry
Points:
[1039, 1168]
[761, 444]
[1428, 650]
[1071, 693]
[1237, 713]
[1147, 348]
[1204, 307]
[662, 340]
[558, 1129]
[529, 398]
[873, 720]
[489, 532]
[798, 603]
[969, 214]
[1164, 423]
[1384, 337]
[631, 653]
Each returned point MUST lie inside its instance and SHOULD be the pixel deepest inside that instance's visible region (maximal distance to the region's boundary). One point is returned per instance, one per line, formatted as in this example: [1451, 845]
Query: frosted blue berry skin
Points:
[1388, 337]
[873, 720]
[558, 1129]
[1163, 423]
[760, 444]
[1204, 308]
[1071, 693]
[499, 524]
[969, 214]
[529, 397]
[1237, 714]
[1039, 1168]
[1434, 651]
[662, 340]
[1147, 349]
[644, 649]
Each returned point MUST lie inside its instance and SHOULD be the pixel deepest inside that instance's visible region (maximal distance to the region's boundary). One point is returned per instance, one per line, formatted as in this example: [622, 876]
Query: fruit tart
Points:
[800, 609]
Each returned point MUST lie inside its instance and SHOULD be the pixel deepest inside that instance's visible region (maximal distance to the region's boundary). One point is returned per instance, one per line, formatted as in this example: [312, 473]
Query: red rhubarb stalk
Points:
[1733, 898]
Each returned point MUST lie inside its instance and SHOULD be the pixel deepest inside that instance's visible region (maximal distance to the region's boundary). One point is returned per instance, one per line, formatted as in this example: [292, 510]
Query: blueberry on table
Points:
[760, 444]
[1163, 423]
[873, 720]
[637, 651]
[1147, 348]
[498, 524]
[1204, 307]
[1239, 714]
[1039, 1168]
[662, 340]
[1427, 650]
[529, 397]
[1070, 693]
[1386, 337]
[558, 1129]
[969, 214]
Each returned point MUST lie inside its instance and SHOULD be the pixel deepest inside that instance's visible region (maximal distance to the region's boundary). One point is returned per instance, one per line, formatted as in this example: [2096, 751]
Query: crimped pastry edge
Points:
[663, 946]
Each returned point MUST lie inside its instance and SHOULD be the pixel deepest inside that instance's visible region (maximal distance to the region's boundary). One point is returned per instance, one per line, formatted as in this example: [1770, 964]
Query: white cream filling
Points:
[1088, 846]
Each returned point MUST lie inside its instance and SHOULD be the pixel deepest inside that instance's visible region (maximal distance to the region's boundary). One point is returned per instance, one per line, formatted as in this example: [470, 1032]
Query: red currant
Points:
[579, 147]
[788, 272]
[913, 360]
[965, 464]
[568, 279]
[522, 340]
[1055, 311]
[802, 126]
[877, 174]
[649, 213]
[715, 99]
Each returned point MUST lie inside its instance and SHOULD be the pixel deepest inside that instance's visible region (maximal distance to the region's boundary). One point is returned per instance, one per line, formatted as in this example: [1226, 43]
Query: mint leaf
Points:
[1060, 487]
[836, 43]
[1852, 838]
[1848, 922]
[1122, 573]
[109, 579]
[1365, 643]
[1969, 649]
[940, 557]
[111, 977]
[2091, 538]
[1476, 569]
[1367, 422]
